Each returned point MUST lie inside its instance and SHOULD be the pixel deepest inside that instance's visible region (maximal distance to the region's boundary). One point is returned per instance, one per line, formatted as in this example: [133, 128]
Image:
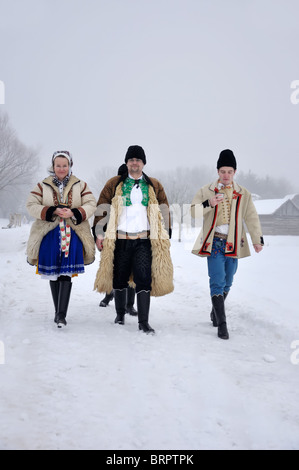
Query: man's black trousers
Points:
[133, 256]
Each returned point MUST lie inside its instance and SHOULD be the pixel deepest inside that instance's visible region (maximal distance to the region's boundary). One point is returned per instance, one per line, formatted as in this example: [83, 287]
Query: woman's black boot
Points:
[54, 285]
[65, 288]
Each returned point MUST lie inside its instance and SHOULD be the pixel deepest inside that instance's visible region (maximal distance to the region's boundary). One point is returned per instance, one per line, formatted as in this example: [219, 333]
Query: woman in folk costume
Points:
[135, 240]
[226, 206]
[60, 243]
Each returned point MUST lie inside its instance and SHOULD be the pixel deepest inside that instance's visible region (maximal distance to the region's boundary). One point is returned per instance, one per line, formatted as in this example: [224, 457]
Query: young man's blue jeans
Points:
[221, 268]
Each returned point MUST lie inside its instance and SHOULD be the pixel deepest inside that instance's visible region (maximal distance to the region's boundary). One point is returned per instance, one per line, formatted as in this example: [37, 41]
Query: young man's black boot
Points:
[219, 310]
[213, 318]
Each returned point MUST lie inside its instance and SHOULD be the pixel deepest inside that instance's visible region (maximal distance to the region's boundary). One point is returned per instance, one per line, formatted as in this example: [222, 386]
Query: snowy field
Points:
[96, 385]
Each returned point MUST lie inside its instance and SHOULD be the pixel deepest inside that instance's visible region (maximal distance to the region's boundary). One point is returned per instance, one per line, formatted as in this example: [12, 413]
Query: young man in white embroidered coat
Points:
[226, 206]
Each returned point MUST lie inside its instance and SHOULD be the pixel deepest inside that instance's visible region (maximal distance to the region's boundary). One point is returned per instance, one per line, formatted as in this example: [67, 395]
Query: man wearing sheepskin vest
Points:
[132, 230]
[226, 206]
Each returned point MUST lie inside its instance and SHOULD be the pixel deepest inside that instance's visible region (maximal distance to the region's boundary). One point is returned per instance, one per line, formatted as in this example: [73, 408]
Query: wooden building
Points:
[279, 216]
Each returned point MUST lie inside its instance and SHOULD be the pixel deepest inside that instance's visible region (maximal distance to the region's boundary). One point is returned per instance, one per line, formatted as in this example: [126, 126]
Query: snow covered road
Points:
[96, 385]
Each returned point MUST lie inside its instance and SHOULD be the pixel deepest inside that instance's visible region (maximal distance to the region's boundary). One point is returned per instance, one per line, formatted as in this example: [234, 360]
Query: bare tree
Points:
[266, 187]
[177, 194]
[18, 165]
[100, 178]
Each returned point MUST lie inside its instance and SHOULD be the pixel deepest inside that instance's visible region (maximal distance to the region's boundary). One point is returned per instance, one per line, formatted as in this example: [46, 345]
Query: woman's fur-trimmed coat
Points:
[242, 210]
[162, 267]
[46, 195]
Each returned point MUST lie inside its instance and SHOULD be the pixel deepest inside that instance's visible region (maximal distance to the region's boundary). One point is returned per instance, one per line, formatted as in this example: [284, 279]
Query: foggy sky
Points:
[183, 78]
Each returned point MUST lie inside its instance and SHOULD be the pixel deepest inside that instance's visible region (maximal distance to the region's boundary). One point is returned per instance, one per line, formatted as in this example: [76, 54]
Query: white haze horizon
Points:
[184, 79]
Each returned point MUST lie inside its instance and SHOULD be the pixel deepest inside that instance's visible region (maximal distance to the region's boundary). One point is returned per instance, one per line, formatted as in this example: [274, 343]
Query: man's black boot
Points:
[130, 302]
[54, 285]
[120, 299]
[107, 299]
[143, 306]
[219, 310]
[65, 288]
[213, 318]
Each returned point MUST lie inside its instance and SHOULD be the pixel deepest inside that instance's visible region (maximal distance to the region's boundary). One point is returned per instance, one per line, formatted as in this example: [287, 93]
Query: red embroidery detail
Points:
[236, 195]
[55, 198]
[229, 246]
[70, 198]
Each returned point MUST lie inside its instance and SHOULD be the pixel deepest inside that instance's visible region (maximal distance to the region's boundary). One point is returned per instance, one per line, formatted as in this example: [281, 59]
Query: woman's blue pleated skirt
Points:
[52, 261]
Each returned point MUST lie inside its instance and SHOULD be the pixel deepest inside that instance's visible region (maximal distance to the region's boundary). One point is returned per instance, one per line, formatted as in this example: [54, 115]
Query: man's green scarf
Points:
[127, 189]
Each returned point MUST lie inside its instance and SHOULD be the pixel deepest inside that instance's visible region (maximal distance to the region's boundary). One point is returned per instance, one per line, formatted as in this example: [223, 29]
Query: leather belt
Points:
[220, 235]
[132, 236]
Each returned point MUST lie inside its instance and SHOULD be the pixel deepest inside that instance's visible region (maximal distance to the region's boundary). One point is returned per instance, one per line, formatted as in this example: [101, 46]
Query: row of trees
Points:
[181, 184]
[18, 165]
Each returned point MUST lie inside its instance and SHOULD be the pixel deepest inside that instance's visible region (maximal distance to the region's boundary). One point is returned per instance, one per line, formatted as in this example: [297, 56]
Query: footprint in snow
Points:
[268, 358]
